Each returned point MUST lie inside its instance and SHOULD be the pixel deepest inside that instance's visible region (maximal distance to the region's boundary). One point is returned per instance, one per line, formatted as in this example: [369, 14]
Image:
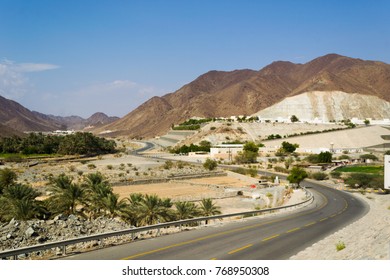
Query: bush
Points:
[280, 169]
[319, 176]
[340, 246]
[369, 156]
[365, 180]
[210, 164]
[91, 166]
[168, 165]
[109, 167]
[252, 172]
[335, 174]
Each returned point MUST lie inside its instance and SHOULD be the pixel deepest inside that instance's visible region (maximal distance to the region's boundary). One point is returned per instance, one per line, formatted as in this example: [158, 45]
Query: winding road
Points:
[271, 237]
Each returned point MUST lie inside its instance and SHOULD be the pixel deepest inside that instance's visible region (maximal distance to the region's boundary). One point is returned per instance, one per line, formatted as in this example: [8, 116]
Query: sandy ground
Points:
[368, 238]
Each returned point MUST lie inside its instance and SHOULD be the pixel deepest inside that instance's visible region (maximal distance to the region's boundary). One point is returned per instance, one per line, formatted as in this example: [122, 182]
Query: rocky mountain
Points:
[328, 106]
[99, 119]
[79, 123]
[17, 117]
[245, 92]
[6, 131]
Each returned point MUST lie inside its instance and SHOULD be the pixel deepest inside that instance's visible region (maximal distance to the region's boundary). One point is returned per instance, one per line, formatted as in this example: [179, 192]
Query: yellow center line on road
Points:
[292, 230]
[324, 219]
[310, 224]
[213, 259]
[227, 232]
[240, 249]
[271, 237]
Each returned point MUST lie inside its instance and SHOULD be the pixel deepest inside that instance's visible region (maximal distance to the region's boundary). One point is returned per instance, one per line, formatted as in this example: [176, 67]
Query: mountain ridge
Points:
[245, 92]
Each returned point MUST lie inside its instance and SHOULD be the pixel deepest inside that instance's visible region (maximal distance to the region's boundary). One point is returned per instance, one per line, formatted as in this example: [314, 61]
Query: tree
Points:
[369, 156]
[294, 118]
[251, 147]
[297, 175]
[319, 176]
[66, 195]
[249, 153]
[204, 146]
[131, 213]
[325, 157]
[387, 152]
[210, 164]
[209, 208]
[114, 206]
[152, 211]
[19, 202]
[288, 147]
[246, 157]
[186, 210]
[366, 122]
[7, 179]
[97, 188]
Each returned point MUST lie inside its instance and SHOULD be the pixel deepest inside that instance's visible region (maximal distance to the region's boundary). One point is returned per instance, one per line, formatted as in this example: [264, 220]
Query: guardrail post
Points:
[15, 257]
[158, 230]
[64, 250]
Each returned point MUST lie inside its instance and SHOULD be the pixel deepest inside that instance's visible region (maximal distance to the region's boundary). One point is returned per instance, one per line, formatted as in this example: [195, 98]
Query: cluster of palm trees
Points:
[91, 198]
[18, 200]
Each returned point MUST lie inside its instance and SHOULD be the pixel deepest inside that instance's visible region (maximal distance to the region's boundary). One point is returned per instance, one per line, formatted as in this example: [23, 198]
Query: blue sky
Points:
[77, 57]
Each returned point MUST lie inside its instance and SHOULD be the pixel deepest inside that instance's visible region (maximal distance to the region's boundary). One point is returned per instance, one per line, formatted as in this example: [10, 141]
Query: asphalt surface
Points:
[269, 237]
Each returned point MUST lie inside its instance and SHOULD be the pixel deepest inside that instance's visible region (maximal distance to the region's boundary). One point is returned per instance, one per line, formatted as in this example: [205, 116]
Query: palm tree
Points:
[66, 195]
[114, 206]
[186, 210]
[152, 211]
[7, 178]
[97, 189]
[131, 213]
[208, 208]
[19, 202]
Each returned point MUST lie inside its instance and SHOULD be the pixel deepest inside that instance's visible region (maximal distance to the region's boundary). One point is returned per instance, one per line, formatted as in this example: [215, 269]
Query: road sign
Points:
[387, 172]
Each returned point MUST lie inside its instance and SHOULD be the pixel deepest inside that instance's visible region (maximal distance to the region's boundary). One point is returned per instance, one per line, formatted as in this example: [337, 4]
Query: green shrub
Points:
[319, 176]
[335, 174]
[168, 164]
[340, 246]
[91, 166]
[210, 164]
[280, 169]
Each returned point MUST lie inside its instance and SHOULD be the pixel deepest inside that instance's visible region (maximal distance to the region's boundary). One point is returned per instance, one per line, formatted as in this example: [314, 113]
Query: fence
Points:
[62, 244]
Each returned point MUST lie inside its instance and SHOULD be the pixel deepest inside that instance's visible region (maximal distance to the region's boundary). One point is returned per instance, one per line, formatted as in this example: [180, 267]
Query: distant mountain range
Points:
[246, 92]
[331, 86]
[16, 119]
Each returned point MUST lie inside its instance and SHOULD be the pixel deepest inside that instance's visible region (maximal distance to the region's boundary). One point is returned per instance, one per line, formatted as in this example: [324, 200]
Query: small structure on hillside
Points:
[226, 151]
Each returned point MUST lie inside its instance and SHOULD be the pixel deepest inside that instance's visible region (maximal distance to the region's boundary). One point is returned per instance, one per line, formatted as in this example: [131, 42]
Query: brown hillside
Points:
[244, 92]
[6, 131]
[14, 115]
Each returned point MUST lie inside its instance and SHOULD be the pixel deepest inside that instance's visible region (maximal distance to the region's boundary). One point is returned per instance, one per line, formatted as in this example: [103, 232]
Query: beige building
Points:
[226, 151]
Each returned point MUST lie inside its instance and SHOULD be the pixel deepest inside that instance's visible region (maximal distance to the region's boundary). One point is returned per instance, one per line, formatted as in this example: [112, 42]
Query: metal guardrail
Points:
[62, 244]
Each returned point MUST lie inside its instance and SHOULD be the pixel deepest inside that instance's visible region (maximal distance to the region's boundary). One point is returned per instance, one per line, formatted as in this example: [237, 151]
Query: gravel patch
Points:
[366, 239]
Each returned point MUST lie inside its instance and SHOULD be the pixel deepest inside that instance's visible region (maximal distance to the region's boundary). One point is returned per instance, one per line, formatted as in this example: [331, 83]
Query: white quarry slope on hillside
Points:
[329, 105]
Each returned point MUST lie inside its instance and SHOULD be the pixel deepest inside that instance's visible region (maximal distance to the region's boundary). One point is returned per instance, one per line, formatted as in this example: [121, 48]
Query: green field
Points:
[372, 169]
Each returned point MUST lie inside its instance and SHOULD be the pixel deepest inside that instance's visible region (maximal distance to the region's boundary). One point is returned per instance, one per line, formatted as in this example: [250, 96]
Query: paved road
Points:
[270, 237]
